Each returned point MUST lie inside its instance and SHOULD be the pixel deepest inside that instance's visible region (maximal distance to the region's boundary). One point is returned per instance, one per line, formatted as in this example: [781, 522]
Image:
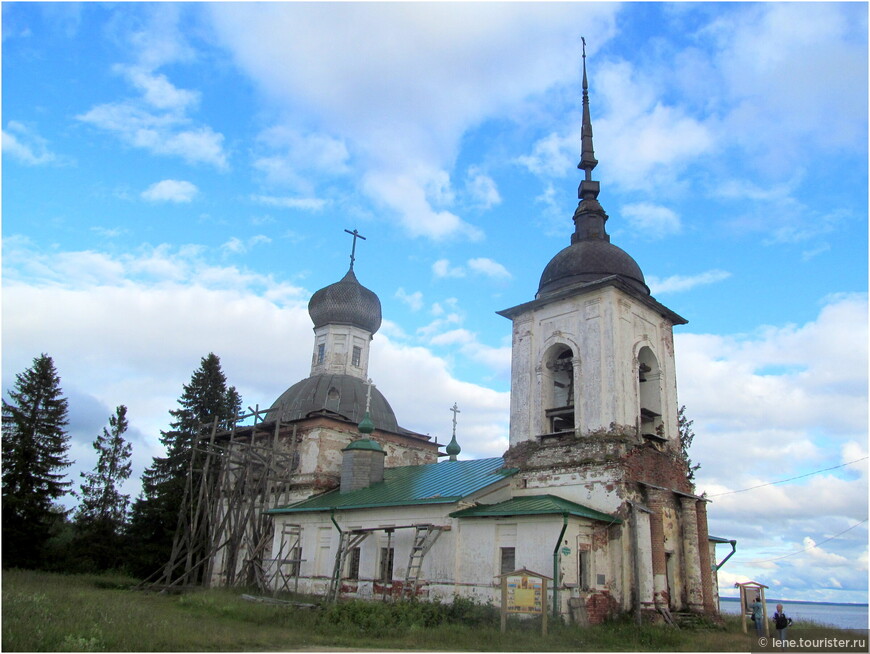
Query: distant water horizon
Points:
[845, 615]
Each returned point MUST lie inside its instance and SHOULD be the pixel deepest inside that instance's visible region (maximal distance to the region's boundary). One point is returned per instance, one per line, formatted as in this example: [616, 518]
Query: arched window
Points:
[559, 389]
[650, 395]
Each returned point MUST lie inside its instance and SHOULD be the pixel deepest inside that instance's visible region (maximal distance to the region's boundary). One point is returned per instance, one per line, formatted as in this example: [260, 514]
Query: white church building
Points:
[593, 491]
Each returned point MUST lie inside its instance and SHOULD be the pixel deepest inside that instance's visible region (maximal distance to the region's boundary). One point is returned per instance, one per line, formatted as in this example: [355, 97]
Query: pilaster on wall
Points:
[707, 588]
[691, 552]
[656, 504]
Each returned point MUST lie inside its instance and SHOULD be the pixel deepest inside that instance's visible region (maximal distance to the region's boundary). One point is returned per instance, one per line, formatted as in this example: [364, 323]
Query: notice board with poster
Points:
[524, 592]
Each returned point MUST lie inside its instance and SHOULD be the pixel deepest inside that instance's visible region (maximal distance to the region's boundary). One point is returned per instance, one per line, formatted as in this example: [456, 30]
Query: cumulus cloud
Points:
[158, 119]
[652, 220]
[413, 300]
[677, 283]
[482, 266]
[357, 75]
[136, 326]
[790, 402]
[442, 268]
[482, 189]
[304, 204]
[25, 145]
[170, 190]
[488, 268]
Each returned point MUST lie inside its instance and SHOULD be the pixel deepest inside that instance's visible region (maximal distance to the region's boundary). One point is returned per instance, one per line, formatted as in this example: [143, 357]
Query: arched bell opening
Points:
[650, 395]
[559, 381]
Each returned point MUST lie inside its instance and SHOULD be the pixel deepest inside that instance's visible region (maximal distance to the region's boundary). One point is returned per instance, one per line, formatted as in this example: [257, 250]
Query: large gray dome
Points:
[588, 260]
[347, 302]
[341, 394]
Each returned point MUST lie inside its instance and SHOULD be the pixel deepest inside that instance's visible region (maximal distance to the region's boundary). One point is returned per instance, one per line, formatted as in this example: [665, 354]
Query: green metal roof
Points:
[433, 483]
[534, 505]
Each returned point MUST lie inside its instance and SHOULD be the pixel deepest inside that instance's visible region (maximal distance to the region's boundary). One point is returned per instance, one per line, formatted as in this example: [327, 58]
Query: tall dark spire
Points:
[587, 153]
[590, 217]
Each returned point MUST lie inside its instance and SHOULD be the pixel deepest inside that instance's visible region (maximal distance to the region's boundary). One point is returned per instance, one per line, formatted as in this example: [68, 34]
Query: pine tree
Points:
[35, 446]
[102, 514]
[686, 438]
[155, 512]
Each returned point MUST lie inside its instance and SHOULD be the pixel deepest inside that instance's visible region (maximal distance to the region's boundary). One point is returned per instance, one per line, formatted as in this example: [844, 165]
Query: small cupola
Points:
[362, 462]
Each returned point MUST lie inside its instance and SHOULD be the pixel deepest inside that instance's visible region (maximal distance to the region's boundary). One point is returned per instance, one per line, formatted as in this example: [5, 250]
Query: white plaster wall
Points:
[339, 341]
[605, 328]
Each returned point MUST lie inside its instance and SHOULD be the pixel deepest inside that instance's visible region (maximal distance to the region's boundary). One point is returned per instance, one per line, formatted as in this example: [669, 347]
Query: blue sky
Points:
[177, 179]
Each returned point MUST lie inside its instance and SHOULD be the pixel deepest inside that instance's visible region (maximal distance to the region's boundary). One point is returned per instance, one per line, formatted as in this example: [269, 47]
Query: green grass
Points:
[98, 613]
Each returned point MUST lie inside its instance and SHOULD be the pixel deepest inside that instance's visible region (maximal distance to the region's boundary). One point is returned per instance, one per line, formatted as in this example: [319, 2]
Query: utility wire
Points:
[806, 549]
[782, 481]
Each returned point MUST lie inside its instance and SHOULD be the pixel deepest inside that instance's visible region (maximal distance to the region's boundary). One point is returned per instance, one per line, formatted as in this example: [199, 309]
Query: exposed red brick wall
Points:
[646, 464]
[600, 606]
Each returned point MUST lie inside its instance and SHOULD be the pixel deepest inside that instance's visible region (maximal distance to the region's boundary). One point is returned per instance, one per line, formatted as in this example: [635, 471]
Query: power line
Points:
[782, 481]
[806, 549]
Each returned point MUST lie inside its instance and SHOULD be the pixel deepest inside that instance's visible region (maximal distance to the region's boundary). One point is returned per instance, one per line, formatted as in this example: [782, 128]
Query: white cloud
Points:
[158, 91]
[677, 283]
[304, 204]
[652, 220]
[28, 147]
[136, 326]
[413, 300]
[442, 268]
[238, 246]
[482, 188]
[357, 74]
[551, 156]
[164, 134]
[170, 190]
[783, 402]
[488, 268]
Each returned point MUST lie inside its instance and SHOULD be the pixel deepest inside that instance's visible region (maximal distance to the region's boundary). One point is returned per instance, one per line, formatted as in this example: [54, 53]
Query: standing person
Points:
[758, 616]
[781, 621]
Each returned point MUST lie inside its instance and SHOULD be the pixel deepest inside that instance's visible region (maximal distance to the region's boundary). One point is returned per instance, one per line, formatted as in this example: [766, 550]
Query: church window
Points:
[385, 572]
[333, 399]
[508, 560]
[321, 352]
[353, 563]
[356, 356]
[559, 389]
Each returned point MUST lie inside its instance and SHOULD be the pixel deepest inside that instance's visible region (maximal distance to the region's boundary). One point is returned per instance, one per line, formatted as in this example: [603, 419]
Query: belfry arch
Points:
[559, 381]
[650, 389]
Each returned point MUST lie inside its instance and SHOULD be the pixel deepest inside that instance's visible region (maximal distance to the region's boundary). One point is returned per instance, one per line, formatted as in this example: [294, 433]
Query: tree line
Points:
[105, 531]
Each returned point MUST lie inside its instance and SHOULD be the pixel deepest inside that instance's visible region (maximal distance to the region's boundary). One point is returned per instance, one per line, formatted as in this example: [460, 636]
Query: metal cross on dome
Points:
[355, 235]
[369, 384]
[455, 410]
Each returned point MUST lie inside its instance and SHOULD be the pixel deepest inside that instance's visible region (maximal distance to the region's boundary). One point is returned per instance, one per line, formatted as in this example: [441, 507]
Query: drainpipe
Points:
[556, 560]
[332, 517]
[730, 554]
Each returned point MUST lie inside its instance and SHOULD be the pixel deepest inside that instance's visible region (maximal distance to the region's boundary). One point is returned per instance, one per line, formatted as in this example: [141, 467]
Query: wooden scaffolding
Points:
[233, 477]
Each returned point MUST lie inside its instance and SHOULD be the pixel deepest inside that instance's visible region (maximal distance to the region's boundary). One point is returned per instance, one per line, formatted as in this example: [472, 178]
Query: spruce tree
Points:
[102, 514]
[35, 447]
[155, 512]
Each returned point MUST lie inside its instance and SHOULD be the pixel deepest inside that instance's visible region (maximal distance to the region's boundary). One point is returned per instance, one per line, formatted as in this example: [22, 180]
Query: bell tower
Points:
[592, 354]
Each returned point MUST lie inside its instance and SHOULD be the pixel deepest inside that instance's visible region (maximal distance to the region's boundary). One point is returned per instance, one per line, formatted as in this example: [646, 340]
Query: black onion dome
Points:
[347, 302]
[589, 260]
[338, 394]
